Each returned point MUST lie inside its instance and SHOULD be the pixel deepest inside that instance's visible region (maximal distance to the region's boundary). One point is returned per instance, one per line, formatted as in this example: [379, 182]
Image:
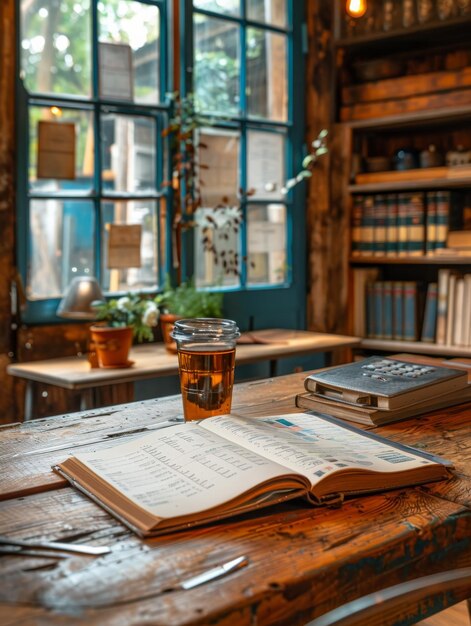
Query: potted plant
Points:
[185, 301]
[119, 322]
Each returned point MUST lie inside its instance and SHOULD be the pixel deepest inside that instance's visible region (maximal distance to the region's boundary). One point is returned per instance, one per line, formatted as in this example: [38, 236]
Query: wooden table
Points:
[153, 360]
[304, 561]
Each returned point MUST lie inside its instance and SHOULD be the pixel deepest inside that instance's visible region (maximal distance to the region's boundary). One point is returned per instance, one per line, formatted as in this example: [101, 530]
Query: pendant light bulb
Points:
[356, 8]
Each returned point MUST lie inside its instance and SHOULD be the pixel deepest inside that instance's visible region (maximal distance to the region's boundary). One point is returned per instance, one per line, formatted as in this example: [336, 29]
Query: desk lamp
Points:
[76, 304]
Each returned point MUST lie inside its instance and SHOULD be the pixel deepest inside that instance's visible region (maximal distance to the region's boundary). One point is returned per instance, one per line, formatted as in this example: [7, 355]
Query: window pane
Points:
[267, 94]
[265, 164]
[132, 278]
[136, 25]
[221, 266]
[128, 153]
[56, 46]
[266, 244]
[219, 171]
[268, 11]
[216, 72]
[228, 7]
[61, 240]
[84, 156]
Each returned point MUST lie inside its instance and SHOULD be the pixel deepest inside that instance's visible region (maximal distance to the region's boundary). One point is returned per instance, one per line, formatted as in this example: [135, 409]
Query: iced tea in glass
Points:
[206, 360]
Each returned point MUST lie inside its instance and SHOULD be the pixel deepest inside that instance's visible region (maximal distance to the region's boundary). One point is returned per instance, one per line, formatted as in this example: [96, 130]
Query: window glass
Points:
[227, 7]
[84, 155]
[216, 65]
[218, 167]
[267, 94]
[61, 241]
[269, 11]
[128, 153]
[134, 28]
[55, 46]
[143, 213]
[266, 244]
[217, 247]
[265, 164]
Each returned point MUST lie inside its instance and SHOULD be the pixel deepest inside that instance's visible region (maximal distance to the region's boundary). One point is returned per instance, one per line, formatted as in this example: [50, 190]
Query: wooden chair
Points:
[406, 603]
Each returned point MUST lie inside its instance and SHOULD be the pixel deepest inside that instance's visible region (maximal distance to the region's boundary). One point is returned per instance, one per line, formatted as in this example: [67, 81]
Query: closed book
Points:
[380, 214]
[377, 417]
[361, 278]
[450, 311]
[430, 314]
[385, 383]
[442, 305]
[467, 311]
[370, 312]
[458, 316]
[387, 310]
[442, 218]
[357, 212]
[398, 309]
[431, 225]
[391, 225]
[402, 209]
[415, 225]
[410, 326]
[460, 239]
[367, 226]
[378, 290]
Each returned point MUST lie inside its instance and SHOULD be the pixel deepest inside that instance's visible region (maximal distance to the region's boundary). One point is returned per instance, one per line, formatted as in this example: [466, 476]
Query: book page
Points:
[312, 446]
[181, 470]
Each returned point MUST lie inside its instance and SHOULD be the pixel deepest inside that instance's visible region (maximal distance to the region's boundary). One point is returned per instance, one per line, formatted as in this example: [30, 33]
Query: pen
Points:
[215, 572]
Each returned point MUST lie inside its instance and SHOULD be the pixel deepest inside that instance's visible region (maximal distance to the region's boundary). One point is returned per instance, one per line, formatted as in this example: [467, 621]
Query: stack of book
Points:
[409, 224]
[453, 316]
[381, 390]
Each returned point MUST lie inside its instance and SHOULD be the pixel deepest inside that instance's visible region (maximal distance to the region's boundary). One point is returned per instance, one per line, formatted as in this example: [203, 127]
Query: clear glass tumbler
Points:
[206, 360]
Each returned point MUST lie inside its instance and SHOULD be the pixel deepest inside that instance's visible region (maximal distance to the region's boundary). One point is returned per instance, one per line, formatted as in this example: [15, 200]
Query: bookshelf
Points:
[399, 91]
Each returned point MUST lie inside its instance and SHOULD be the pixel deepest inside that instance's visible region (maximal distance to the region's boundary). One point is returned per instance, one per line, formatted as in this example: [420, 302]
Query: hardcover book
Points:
[385, 383]
[196, 473]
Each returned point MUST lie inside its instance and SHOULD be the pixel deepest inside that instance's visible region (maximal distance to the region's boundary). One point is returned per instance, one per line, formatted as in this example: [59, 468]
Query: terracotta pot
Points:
[167, 320]
[112, 345]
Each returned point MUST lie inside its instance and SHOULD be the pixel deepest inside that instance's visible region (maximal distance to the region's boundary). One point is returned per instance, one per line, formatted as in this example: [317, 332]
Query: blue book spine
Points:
[402, 202]
[357, 214]
[398, 309]
[415, 225]
[410, 311]
[380, 214]
[391, 225]
[387, 310]
[368, 226]
[431, 224]
[442, 220]
[430, 314]
[370, 311]
[378, 289]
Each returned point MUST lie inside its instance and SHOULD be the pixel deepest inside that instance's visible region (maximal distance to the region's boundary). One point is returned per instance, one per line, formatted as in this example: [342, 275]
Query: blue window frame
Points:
[62, 223]
[103, 67]
[244, 66]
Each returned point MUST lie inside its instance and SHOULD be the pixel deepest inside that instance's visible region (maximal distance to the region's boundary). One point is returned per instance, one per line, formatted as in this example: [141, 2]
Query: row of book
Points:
[400, 224]
[437, 312]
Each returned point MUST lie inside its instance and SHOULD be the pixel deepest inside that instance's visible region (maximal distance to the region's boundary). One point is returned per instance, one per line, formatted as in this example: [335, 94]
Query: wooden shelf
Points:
[411, 260]
[407, 185]
[416, 36]
[414, 119]
[425, 178]
[415, 347]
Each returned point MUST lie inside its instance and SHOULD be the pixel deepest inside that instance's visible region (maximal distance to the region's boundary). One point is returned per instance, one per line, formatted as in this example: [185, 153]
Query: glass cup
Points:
[206, 359]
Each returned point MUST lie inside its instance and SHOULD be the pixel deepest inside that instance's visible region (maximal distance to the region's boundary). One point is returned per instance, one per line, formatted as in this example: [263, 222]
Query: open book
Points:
[195, 473]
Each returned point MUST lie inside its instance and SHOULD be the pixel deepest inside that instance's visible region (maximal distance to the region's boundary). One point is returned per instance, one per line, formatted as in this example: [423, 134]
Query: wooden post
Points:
[8, 408]
[327, 214]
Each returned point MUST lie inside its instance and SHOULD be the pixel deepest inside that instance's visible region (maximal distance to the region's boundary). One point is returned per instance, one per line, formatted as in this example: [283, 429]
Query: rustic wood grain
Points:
[385, 108]
[317, 550]
[27, 474]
